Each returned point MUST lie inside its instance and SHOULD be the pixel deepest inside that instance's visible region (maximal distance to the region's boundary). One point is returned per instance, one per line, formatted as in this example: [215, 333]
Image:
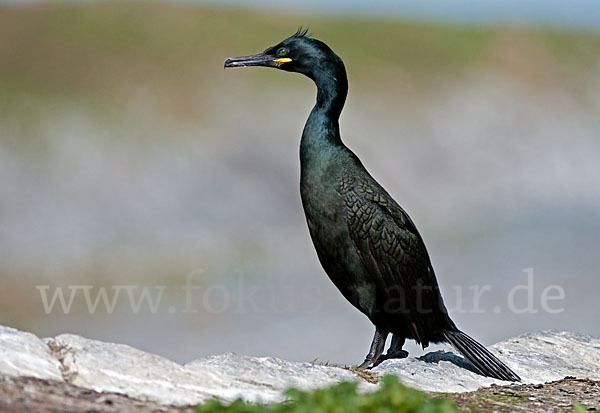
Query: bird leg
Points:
[376, 350]
[394, 351]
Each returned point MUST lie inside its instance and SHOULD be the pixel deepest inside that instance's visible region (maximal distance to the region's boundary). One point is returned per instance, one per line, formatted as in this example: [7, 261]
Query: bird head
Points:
[298, 53]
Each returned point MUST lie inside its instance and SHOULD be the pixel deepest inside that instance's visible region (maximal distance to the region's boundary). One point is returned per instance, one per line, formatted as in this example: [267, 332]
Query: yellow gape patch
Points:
[279, 62]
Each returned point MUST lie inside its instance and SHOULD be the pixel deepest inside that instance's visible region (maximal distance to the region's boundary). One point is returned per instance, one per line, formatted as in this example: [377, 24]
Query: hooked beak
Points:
[256, 60]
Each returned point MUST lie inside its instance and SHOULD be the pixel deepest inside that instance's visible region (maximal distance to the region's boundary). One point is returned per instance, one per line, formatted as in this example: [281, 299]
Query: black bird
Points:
[365, 241]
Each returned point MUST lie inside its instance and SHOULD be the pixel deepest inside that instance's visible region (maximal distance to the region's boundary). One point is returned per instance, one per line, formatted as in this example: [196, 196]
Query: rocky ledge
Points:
[119, 369]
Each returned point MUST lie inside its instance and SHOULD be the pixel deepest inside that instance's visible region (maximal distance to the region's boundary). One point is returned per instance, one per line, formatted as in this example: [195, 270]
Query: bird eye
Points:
[282, 52]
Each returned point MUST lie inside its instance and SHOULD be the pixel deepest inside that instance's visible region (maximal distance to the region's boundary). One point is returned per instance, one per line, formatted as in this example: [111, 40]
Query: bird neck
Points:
[322, 126]
[332, 88]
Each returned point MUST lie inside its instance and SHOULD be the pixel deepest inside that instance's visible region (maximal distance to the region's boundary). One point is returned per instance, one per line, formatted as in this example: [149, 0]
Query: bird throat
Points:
[322, 127]
[332, 89]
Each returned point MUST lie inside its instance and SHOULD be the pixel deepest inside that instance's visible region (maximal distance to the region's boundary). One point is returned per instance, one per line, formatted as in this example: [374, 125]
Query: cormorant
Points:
[367, 244]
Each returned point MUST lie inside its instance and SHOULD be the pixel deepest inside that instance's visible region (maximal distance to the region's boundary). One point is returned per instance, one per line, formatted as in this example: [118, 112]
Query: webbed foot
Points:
[401, 354]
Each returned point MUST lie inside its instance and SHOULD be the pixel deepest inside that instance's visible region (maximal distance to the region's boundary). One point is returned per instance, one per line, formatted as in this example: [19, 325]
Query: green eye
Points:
[282, 52]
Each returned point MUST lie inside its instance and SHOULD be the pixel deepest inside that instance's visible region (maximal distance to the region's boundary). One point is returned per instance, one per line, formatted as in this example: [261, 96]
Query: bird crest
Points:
[302, 32]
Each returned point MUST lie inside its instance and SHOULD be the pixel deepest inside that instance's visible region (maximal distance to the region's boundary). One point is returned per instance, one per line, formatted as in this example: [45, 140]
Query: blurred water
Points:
[498, 178]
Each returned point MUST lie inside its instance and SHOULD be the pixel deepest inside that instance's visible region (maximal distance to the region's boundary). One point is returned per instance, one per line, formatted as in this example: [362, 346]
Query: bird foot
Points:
[376, 348]
[401, 354]
[365, 364]
[369, 363]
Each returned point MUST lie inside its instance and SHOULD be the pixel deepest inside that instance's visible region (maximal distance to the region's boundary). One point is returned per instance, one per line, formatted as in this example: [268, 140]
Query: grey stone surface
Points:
[264, 378]
[119, 368]
[23, 354]
[123, 369]
[536, 357]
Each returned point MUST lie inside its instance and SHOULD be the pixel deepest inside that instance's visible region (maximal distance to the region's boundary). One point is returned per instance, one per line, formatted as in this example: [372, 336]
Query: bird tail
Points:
[487, 364]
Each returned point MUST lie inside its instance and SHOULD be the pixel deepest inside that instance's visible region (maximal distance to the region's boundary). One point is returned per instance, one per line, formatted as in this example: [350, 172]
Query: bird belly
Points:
[336, 250]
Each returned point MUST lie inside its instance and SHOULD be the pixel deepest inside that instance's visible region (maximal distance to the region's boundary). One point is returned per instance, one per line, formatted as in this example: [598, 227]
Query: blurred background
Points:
[129, 157]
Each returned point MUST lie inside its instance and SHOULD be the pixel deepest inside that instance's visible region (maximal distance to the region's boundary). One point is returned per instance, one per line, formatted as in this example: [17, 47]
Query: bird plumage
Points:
[366, 243]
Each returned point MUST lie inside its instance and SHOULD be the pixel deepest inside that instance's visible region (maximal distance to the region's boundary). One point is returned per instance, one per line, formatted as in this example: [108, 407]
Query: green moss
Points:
[392, 396]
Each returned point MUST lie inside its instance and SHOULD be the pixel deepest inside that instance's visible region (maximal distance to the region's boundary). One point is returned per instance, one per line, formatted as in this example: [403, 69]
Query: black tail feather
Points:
[480, 357]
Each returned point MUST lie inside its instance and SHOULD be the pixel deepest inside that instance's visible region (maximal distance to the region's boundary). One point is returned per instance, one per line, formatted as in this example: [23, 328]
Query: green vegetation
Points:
[108, 59]
[392, 396]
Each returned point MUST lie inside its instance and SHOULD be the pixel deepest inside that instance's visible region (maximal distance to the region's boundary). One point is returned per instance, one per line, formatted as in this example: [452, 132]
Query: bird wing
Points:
[394, 253]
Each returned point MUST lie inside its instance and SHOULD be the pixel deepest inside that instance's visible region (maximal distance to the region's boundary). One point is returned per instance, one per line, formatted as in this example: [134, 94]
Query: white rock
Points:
[265, 378]
[438, 371]
[23, 354]
[122, 369]
[551, 355]
[119, 368]
[536, 357]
